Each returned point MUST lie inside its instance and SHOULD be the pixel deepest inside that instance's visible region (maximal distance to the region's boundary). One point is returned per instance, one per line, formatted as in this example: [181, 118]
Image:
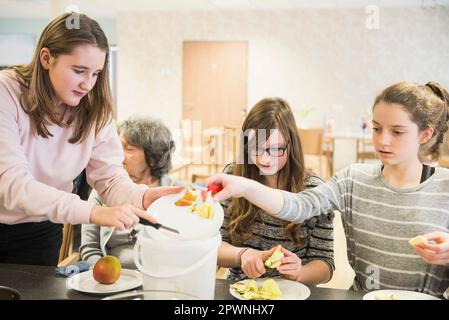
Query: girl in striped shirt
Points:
[383, 205]
[249, 234]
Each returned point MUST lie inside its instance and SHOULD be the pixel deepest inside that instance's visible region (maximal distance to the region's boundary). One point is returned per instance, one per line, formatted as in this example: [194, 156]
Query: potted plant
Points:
[301, 114]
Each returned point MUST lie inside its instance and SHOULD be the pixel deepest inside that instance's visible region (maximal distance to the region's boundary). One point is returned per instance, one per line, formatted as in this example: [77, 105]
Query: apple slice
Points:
[417, 240]
[183, 203]
[275, 260]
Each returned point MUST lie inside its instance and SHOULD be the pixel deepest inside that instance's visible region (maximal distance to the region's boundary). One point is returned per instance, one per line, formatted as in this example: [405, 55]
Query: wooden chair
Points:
[312, 142]
[443, 160]
[213, 152]
[232, 143]
[223, 147]
[364, 150]
[328, 151]
[191, 149]
[68, 252]
[67, 255]
[199, 177]
[222, 273]
[181, 168]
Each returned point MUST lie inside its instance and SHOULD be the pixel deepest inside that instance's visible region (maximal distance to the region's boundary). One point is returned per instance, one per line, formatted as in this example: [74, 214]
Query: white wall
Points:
[325, 58]
[35, 26]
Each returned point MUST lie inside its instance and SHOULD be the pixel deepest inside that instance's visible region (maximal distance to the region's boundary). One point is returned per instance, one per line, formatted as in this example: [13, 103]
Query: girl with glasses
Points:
[272, 156]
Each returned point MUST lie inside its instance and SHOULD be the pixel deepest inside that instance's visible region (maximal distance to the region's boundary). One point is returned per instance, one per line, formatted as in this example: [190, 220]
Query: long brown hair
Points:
[39, 100]
[268, 114]
[428, 107]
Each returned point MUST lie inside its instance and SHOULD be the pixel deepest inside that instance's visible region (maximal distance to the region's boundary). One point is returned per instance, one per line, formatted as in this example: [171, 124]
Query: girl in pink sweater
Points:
[56, 120]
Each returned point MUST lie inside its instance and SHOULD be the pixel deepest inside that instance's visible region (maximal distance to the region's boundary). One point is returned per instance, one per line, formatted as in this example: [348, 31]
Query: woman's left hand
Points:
[154, 193]
[434, 253]
[290, 266]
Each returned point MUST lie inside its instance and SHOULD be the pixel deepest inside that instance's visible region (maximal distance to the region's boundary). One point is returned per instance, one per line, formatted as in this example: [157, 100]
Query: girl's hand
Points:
[253, 262]
[233, 186]
[154, 193]
[122, 217]
[437, 253]
[291, 265]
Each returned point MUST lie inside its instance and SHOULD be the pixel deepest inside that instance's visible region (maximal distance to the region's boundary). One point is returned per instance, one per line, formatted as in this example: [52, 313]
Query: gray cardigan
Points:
[94, 238]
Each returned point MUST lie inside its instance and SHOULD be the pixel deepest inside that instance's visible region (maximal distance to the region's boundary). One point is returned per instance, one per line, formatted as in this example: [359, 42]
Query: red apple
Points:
[107, 270]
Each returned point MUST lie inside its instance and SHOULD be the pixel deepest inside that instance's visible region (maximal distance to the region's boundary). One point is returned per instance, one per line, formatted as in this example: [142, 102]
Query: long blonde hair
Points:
[268, 114]
[39, 100]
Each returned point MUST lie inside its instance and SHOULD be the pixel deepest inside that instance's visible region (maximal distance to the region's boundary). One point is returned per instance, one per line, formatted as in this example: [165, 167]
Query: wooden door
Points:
[215, 82]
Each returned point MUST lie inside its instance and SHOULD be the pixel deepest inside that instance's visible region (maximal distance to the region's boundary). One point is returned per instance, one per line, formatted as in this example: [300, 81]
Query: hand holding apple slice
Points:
[417, 240]
[275, 260]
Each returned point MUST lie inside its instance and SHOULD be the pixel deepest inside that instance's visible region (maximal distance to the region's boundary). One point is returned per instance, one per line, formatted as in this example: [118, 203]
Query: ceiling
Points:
[110, 8]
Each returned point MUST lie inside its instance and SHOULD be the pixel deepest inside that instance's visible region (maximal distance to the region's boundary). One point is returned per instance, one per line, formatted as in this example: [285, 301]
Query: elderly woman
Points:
[148, 148]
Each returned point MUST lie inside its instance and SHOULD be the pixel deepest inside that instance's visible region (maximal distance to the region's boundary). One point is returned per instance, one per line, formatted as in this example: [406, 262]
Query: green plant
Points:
[303, 112]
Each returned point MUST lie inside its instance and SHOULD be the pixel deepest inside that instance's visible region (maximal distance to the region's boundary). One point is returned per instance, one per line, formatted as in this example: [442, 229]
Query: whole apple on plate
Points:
[107, 270]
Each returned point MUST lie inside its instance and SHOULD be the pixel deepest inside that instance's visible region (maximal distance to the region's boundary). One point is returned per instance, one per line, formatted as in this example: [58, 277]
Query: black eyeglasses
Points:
[273, 151]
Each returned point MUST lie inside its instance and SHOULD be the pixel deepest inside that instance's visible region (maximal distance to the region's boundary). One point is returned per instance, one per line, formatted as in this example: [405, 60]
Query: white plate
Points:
[85, 282]
[190, 225]
[400, 295]
[291, 290]
[151, 295]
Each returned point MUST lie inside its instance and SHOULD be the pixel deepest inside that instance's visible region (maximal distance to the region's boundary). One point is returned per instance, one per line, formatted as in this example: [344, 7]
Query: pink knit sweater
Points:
[36, 174]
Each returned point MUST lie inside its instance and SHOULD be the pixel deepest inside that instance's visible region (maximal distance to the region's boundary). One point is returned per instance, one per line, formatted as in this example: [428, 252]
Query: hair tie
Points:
[435, 90]
[440, 95]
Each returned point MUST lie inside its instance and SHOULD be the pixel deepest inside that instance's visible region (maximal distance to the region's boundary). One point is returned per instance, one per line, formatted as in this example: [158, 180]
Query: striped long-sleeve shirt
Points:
[268, 231]
[379, 219]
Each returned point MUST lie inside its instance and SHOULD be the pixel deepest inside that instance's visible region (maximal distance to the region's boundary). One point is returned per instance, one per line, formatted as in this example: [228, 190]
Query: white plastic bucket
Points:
[186, 266]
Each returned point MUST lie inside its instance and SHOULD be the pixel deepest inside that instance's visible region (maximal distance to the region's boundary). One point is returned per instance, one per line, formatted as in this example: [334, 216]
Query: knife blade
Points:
[157, 226]
[199, 186]
[211, 187]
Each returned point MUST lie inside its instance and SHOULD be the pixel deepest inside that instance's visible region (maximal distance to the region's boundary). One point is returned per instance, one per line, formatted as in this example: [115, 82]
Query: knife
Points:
[157, 226]
[211, 187]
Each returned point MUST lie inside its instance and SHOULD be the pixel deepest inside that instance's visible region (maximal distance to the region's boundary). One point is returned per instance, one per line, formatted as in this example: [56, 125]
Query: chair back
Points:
[443, 159]
[364, 150]
[71, 235]
[312, 141]
[231, 143]
[222, 146]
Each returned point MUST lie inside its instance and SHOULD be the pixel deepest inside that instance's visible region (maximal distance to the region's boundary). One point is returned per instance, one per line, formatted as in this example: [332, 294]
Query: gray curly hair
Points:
[154, 138]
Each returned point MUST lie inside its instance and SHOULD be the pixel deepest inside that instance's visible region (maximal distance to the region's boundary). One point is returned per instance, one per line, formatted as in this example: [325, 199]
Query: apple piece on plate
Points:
[206, 210]
[189, 196]
[270, 290]
[386, 297]
[183, 203]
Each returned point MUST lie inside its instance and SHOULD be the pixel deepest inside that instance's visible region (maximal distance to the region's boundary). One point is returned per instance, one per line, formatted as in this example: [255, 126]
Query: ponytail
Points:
[441, 125]
[441, 93]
